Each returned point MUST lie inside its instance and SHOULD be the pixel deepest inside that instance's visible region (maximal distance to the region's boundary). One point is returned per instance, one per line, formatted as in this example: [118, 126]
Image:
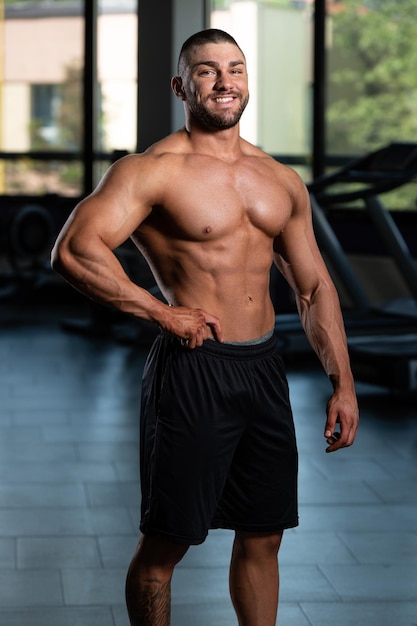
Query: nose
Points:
[224, 81]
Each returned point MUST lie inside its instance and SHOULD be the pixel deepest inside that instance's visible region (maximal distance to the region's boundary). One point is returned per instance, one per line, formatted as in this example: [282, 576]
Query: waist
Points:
[249, 342]
[253, 348]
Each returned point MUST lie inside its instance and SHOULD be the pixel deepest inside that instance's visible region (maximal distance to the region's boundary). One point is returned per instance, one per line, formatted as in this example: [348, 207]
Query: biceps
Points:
[100, 219]
[299, 260]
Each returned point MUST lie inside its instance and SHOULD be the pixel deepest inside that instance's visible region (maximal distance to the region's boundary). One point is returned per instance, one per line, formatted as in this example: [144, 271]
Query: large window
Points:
[371, 84]
[276, 39]
[372, 80]
[372, 87]
[41, 90]
[369, 77]
[41, 95]
[117, 75]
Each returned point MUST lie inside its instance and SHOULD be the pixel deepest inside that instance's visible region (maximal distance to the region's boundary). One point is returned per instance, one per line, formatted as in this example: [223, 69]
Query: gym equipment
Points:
[382, 342]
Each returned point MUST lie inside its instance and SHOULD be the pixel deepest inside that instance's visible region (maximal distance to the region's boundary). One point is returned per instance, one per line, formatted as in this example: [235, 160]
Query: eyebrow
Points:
[215, 64]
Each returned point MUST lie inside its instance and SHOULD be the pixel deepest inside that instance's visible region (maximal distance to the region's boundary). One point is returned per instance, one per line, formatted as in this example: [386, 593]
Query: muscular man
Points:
[210, 213]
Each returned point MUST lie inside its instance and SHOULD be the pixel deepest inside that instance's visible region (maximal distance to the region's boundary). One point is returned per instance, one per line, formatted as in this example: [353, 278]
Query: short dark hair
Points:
[209, 35]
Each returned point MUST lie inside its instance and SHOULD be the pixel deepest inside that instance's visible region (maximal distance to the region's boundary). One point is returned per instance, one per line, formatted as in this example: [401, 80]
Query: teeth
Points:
[224, 99]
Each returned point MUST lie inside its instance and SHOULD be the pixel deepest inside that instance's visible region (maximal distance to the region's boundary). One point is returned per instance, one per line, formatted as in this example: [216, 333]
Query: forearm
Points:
[95, 271]
[322, 321]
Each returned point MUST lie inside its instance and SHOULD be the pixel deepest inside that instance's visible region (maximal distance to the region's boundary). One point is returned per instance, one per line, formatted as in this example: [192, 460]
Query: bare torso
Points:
[209, 238]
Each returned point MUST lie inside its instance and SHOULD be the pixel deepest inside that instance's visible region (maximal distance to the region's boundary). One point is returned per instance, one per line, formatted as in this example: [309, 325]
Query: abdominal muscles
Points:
[226, 277]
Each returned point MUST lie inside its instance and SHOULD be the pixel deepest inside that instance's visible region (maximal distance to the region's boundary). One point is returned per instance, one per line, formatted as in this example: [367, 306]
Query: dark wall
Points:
[155, 69]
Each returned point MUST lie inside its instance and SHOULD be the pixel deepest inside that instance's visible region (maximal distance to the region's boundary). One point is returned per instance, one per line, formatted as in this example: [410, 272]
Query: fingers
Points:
[192, 326]
[196, 336]
[333, 438]
[344, 414]
[214, 324]
[339, 439]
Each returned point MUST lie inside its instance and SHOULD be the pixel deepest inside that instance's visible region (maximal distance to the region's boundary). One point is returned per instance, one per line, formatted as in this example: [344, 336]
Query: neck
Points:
[225, 143]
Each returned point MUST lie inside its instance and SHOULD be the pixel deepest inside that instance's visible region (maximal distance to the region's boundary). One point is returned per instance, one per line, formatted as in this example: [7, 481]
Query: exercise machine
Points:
[382, 340]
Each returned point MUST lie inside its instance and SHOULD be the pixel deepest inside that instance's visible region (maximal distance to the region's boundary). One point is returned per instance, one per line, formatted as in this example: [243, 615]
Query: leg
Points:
[148, 583]
[254, 578]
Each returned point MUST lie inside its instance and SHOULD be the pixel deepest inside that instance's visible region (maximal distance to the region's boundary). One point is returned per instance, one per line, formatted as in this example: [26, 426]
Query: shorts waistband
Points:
[250, 342]
[255, 348]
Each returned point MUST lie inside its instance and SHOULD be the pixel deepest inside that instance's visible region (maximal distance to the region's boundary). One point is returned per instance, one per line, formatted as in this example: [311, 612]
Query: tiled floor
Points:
[69, 495]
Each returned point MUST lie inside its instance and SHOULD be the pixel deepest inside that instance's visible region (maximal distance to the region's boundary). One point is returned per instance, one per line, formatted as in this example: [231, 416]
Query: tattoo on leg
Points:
[153, 604]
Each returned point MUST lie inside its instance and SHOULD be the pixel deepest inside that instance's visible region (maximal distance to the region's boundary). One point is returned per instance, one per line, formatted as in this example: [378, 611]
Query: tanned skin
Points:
[211, 213]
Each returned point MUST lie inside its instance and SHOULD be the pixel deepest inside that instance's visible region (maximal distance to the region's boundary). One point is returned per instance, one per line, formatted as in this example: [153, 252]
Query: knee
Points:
[156, 558]
[257, 545]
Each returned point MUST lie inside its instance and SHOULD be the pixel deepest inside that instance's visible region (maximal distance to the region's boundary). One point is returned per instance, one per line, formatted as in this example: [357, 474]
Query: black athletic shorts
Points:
[218, 446]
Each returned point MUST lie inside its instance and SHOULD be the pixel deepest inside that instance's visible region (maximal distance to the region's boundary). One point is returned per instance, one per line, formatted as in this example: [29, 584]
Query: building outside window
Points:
[371, 79]
[277, 40]
[371, 83]
[41, 76]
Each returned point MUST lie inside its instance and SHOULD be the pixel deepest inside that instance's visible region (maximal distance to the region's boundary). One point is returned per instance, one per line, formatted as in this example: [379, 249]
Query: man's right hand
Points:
[191, 326]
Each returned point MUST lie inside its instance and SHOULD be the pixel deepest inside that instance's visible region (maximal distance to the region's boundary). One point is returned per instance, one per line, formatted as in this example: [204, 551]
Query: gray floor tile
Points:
[305, 583]
[20, 402]
[218, 613]
[361, 614]
[112, 494]
[57, 553]
[89, 434]
[65, 522]
[7, 553]
[200, 585]
[384, 548]
[395, 491]
[117, 552]
[120, 616]
[134, 511]
[127, 470]
[64, 472]
[402, 469]
[307, 471]
[215, 552]
[338, 468]
[40, 417]
[336, 492]
[363, 518]
[63, 616]
[221, 613]
[45, 495]
[19, 435]
[69, 498]
[35, 452]
[30, 588]
[300, 547]
[108, 452]
[88, 587]
[373, 582]
[119, 416]
[291, 615]
[6, 418]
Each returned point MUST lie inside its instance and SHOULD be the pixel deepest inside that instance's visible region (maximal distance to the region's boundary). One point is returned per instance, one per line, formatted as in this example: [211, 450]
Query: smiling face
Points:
[214, 84]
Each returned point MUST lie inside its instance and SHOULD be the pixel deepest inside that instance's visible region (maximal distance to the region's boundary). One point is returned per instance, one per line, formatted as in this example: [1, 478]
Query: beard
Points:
[216, 121]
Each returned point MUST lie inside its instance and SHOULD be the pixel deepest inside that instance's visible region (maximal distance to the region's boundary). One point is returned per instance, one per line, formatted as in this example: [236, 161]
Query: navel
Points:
[249, 299]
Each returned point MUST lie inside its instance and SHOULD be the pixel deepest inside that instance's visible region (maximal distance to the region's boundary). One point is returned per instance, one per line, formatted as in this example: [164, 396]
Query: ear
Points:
[177, 87]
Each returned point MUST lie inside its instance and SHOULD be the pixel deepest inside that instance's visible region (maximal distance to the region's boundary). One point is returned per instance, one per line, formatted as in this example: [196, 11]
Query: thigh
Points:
[188, 450]
[261, 490]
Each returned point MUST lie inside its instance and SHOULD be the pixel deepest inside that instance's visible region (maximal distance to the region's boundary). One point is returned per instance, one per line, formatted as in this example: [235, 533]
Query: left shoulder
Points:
[287, 175]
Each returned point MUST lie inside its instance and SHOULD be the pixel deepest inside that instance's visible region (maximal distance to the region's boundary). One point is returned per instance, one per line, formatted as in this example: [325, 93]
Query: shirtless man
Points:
[210, 213]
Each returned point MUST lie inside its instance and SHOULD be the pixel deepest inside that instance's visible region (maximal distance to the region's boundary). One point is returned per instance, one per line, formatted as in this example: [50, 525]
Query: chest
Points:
[214, 202]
